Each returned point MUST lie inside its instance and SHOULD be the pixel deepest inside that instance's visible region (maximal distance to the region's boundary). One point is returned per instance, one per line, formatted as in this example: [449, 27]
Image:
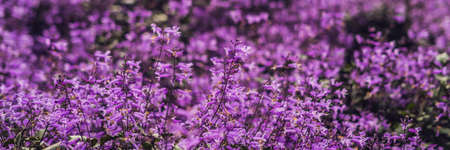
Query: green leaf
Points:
[445, 131]
[441, 78]
[53, 147]
[410, 106]
[443, 58]
[177, 147]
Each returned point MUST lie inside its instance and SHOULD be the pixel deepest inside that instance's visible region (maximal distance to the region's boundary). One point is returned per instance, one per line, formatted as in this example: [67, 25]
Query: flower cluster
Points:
[213, 74]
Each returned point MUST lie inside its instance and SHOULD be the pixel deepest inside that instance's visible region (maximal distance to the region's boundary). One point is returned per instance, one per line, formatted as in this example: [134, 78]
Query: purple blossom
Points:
[183, 74]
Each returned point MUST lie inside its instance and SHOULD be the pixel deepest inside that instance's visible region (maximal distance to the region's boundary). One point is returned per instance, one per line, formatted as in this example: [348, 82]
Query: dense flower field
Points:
[224, 74]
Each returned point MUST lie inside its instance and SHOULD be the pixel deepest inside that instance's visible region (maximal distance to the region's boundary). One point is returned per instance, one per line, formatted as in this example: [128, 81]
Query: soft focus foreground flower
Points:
[211, 74]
